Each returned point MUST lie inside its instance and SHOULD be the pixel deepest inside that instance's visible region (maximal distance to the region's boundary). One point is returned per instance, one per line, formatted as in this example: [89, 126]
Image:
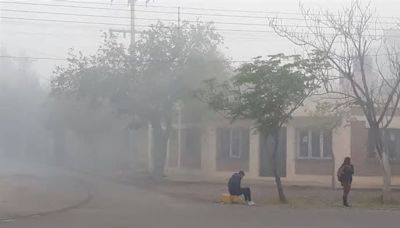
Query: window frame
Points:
[243, 146]
[385, 138]
[323, 154]
[240, 148]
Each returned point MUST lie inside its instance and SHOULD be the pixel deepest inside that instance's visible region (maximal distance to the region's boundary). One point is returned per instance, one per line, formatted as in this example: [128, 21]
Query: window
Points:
[391, 144]
[314, 144]
[233, 143]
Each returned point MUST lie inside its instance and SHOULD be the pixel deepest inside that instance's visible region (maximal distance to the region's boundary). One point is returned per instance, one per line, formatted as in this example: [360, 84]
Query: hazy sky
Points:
[52, 39]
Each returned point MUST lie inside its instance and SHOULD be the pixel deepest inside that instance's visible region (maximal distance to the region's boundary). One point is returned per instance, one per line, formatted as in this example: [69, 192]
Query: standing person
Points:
[235, 189]
[345, 176]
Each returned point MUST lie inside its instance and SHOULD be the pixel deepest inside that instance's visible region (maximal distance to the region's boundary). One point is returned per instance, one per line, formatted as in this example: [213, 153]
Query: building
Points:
[210, 147]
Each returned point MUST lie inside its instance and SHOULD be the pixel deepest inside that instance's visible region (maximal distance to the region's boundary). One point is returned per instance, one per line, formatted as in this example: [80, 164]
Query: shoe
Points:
[251, 203]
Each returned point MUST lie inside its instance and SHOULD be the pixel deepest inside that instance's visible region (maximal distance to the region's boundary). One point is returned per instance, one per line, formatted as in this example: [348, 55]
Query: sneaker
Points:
[251, 203]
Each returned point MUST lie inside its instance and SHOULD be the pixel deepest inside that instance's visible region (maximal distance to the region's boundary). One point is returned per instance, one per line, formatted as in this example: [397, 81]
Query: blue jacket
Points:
[234, 184]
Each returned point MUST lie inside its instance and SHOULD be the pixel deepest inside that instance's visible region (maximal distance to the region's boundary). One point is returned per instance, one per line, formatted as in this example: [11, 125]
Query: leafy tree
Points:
[365, 66]
[169, 62]
[267, 92]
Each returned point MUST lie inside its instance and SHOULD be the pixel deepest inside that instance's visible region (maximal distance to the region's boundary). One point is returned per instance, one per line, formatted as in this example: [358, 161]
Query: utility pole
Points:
[132, 31]
[179, 17]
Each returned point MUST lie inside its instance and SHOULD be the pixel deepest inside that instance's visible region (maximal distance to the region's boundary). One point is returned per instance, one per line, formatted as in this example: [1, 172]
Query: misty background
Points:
[36, 36]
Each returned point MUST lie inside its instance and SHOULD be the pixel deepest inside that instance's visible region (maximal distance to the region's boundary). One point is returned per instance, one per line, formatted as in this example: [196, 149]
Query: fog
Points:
[102, 129]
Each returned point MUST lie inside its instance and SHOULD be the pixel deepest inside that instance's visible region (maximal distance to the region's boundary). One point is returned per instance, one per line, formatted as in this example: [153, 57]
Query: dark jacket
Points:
[347, 173]
[234, 184]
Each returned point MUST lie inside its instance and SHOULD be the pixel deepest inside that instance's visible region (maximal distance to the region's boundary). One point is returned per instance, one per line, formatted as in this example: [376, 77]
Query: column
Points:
[208, 151]
[291, 152]
[150, 148]
[254, 155]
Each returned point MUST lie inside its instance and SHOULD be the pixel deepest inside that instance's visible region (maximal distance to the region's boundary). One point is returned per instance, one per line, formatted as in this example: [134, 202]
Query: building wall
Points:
[365, 165]
[232, 165]
[349, 139]
[314, 167]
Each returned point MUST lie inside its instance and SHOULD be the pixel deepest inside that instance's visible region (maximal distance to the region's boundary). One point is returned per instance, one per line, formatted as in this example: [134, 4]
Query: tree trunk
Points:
[333, 171]
[386, 176]
[385, 165]
[282, 197]
[159, 152]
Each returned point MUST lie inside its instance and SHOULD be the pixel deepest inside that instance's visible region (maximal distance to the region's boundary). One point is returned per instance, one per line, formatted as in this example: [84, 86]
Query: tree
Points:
[267, 92]
[168, 63]
[353, 42]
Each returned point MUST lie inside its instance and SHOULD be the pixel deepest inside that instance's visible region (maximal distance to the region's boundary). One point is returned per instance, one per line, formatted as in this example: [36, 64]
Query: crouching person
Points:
[235, 189]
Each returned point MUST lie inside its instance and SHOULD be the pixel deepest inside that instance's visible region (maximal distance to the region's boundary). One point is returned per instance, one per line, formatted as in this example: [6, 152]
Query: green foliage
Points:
[167, 64]
[94, 77]
[266, 91]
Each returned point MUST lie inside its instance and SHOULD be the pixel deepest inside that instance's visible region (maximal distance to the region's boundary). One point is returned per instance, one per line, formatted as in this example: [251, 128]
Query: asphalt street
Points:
[122, 206]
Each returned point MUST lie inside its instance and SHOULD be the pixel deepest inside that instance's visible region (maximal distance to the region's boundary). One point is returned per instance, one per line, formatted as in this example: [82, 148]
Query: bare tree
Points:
[355, 44]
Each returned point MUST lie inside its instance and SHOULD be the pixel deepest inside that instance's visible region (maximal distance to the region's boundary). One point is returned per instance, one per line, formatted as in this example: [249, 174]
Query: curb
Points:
[88, 197]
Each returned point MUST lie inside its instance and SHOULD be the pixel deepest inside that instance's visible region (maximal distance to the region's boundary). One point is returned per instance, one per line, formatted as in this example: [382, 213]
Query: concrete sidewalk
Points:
[35, 190]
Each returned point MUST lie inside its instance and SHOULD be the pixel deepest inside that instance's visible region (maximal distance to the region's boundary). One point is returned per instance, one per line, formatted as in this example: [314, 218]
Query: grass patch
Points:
[376, 203]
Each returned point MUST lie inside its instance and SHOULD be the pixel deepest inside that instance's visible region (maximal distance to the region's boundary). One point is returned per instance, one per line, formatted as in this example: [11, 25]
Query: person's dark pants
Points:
[346, 190]
[247, 194]
[243, 191]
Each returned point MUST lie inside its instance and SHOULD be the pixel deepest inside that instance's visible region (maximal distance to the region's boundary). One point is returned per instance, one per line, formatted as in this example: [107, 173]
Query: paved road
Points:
[121, 206]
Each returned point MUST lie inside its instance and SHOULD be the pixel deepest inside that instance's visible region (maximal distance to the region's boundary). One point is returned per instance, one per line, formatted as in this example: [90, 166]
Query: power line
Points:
[77, 14]
[66, 6]
[103, 23]
[120, 17]
[152, 19]
[170, 12]
[148, 19]
[91, 2]
[245, 37]
[65, 59]
[197, 8]
[145, 26]
[113, 4]
[148, 26]
[30, 58]
[127, 10]
[145, 11]
[183, 8]
[123, 17]
[64, 21]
